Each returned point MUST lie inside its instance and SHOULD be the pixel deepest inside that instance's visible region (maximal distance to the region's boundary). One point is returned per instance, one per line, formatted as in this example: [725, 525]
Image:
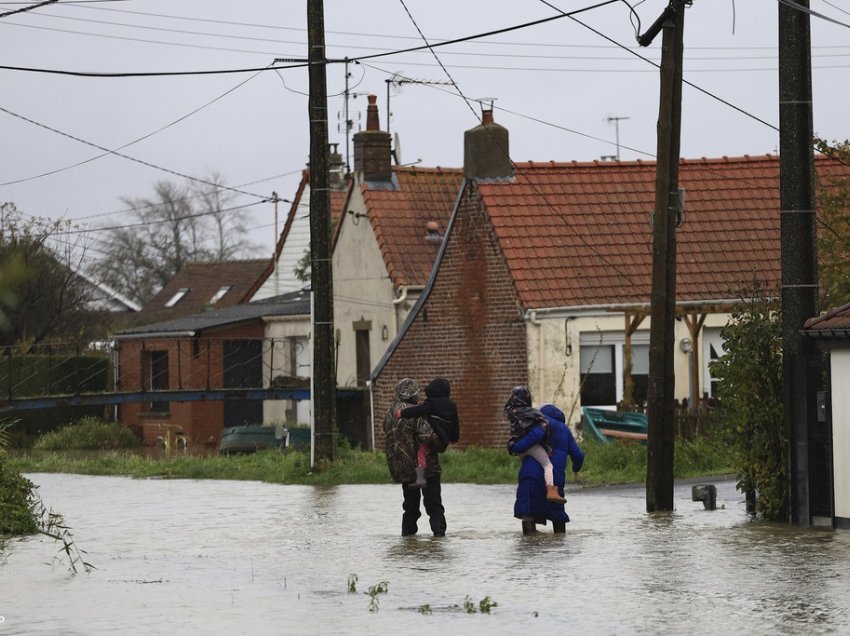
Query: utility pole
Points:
[324, 373]
[660, 398]
[797, 239]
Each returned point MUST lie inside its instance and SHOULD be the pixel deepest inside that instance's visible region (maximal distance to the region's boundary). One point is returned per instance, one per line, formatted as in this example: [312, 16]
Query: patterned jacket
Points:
[404, 435]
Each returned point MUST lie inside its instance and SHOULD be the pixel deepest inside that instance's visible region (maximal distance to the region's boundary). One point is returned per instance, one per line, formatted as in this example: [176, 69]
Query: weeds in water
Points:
[352, 583]
[52, 524]
[374, 591]
[486, 604]
[468, 605]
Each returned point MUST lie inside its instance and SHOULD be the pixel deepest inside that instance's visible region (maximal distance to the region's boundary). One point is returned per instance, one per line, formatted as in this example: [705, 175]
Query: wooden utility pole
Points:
[324, 374]
[797, 238]
[660, 398]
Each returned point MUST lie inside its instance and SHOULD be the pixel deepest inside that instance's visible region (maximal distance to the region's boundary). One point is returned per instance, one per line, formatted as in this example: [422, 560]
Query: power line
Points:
[135, 141]
[28, 8]
[799, 7]
[129, 158]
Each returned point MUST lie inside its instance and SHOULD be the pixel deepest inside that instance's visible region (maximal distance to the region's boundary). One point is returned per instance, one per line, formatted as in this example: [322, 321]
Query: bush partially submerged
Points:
[89, 434]
[17, 497]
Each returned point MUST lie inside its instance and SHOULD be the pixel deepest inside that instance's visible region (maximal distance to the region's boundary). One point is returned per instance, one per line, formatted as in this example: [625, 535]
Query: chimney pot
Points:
[372, 122]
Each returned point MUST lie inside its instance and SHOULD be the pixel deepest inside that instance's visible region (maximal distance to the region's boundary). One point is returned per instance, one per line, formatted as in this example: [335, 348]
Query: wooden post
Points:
[660, 399]
[324, 372]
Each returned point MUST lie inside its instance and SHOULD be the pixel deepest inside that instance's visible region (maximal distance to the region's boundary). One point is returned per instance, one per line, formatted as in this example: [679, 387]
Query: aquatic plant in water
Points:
[374, 591]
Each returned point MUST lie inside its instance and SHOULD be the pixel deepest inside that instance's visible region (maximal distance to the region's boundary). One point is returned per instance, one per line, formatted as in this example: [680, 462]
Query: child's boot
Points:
[553, 495]
[420, 478]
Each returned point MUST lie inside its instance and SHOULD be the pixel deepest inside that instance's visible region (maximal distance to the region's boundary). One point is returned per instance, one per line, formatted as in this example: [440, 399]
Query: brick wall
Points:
[470, 330]
[192, 365]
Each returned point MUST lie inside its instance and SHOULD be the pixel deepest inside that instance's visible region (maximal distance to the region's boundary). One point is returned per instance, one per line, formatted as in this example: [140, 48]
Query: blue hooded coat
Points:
[531, 488]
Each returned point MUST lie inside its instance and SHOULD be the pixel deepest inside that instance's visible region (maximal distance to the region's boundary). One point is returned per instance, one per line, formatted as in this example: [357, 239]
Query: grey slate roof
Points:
[292, 304]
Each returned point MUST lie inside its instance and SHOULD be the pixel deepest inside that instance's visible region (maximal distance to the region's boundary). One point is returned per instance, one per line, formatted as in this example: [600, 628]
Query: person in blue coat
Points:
[531, 504]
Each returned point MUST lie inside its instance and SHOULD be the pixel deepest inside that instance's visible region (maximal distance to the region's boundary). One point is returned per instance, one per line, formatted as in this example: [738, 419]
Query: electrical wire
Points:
[130, 143]
[129, 158]
[28, 8]
[815, 14]
[614, 267]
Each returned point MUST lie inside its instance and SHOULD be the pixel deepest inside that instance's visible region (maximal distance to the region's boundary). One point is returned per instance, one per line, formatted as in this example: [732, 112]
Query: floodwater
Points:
[225, 557]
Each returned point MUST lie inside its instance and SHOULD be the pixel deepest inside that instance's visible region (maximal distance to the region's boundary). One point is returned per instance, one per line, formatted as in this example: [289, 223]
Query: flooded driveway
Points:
[212, 557]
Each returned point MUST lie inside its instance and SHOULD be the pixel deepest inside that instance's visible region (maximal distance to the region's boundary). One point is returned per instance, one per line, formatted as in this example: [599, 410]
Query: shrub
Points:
[750, 393]
[16, 501]
[89, 433]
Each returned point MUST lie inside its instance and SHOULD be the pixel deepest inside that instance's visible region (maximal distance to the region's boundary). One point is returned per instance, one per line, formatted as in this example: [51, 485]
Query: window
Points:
[598, 380]
[602, 360]
[176, 297]
[158, 364]
[220, 293]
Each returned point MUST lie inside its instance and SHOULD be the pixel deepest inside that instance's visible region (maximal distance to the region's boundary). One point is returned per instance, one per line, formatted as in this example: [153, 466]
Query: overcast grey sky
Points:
[556, 86]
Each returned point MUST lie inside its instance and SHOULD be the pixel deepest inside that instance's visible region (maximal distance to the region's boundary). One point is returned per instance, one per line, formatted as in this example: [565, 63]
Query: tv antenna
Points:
[616, 121]
[398, 80]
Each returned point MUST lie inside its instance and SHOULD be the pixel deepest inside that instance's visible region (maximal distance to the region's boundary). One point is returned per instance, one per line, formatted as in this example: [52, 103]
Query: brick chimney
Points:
[372, 148]
[485, 150]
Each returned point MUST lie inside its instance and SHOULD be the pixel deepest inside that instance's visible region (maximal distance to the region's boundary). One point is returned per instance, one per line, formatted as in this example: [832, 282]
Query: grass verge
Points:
[604, 464]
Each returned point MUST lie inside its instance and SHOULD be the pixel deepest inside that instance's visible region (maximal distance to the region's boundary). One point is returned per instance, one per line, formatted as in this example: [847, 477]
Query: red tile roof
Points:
[399, 216]
[578, 234]
[203, 280]
[835, 322]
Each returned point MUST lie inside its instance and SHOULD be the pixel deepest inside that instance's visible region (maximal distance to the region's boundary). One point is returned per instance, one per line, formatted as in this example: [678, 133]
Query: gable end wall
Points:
[470, 330]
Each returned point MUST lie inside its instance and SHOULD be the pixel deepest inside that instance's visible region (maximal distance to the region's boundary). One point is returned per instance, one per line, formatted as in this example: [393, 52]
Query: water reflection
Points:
[204, 556]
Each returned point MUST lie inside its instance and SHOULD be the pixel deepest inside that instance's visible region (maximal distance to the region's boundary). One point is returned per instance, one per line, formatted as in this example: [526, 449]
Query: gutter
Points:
[150, 335]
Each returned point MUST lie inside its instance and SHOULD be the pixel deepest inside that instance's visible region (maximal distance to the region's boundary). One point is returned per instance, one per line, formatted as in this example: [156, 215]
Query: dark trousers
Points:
[432, 497]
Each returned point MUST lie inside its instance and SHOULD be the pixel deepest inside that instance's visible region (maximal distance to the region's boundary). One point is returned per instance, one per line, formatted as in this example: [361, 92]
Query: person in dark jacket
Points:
[403, 438]
[441, 412]
[531, 505]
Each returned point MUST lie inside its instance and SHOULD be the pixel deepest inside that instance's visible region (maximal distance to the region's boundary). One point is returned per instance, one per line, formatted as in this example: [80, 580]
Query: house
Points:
[242, 346]
[544, 279]
[200, 287]
[294, 240]
[384, 247]
[831, 332]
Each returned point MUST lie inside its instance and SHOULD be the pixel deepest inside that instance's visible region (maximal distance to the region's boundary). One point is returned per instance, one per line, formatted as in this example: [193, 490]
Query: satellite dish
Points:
[397, 149]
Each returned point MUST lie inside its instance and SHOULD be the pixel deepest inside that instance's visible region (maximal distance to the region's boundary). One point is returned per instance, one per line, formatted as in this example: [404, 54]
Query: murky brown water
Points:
[214, 557]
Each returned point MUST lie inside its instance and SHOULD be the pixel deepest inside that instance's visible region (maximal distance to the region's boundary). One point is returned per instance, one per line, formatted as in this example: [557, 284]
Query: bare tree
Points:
[178, 225]
[228, 225]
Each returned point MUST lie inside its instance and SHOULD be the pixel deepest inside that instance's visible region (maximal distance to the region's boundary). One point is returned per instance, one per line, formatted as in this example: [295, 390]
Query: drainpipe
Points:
[372, 411]
[532, 318]
[115, 376]
[396, 303]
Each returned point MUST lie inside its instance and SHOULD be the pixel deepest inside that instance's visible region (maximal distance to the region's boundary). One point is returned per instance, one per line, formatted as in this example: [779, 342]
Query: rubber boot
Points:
[420, 478]
[553, 495]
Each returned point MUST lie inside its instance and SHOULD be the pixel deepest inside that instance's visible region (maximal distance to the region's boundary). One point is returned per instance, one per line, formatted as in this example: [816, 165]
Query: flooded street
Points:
[211, 557]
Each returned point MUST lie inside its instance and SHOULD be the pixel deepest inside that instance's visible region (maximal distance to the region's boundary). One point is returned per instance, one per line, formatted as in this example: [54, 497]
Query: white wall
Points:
[840, 371]
[282, 279]
[557, 341]
[362, 292]
[284, 332]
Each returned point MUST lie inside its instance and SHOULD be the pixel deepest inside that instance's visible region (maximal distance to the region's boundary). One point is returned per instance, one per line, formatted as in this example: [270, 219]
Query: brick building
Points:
[228, 348]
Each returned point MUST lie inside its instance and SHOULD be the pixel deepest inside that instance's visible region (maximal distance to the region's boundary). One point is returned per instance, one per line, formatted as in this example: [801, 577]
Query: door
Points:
[242, 368]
